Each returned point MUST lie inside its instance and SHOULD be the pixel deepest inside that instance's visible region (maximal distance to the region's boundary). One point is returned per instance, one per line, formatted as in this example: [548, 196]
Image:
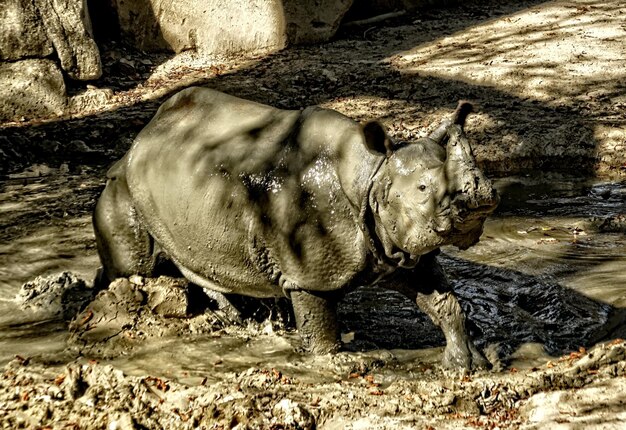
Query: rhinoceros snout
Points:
[442, 222]
[475, 206]
[485, 201]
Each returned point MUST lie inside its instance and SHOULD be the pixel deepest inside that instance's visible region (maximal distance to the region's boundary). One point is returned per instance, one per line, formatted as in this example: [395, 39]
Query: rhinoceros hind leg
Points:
[316, 320]
[428, 287]
[124, 245]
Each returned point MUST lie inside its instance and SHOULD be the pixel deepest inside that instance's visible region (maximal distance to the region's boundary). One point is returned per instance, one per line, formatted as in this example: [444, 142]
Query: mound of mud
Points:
[60, 296]
[131, 312]
[94, 396]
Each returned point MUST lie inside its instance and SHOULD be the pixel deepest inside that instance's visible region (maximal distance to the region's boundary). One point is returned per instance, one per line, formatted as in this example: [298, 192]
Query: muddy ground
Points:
[378, 388]
[548, 80]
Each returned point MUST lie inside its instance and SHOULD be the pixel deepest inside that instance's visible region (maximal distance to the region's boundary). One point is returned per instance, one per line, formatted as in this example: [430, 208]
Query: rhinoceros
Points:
[249, 199]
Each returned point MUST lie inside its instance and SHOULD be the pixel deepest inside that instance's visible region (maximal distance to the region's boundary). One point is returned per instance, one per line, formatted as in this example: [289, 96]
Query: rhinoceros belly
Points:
[207, 230]
[238, 206]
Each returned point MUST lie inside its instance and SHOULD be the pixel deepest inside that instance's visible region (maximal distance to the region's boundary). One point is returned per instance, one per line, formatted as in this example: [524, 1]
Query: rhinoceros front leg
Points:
[428, 287]
[316, 320]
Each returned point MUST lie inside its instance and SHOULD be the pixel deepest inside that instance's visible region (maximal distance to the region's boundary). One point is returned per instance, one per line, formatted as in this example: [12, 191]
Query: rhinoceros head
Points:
[472, 194]
[427, 194]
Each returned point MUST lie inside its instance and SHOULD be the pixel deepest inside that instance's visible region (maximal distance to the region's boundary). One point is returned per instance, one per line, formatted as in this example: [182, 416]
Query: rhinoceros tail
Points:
[462, 110]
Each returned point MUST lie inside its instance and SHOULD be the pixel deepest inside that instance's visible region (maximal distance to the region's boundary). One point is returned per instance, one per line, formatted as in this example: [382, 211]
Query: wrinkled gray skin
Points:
[248, 199]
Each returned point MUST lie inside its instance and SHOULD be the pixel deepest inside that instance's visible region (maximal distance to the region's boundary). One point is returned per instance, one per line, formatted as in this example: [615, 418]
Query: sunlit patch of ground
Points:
[564, 54]
[554, 52]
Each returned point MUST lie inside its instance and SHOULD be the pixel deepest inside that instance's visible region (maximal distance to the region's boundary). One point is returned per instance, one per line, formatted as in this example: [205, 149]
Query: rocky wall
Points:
[43, 42]
[223, 27]
[226, 27]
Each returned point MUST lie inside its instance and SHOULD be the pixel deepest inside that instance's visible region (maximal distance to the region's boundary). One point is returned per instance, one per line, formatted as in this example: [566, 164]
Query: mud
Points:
[365, 393]
[375, 389]
[545, 289]
[159, 353]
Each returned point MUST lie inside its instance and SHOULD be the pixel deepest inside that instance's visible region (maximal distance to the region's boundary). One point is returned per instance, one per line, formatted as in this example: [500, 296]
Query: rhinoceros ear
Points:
[376, 139]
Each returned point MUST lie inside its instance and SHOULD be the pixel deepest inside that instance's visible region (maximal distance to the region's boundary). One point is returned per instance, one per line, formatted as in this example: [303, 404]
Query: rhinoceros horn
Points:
[467, 182]
[472, 194]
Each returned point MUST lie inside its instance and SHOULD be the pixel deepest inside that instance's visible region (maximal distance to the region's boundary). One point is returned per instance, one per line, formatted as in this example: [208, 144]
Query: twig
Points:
[373, 20]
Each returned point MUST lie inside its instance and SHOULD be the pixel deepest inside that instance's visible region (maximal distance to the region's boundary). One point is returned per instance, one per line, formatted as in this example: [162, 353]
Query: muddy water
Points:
[549, 276]
[551, 268]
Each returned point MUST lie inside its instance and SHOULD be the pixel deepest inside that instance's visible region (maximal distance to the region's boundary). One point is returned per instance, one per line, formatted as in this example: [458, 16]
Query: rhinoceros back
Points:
[240, 204]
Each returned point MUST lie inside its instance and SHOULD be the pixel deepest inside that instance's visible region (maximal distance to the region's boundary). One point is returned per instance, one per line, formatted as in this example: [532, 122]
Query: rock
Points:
[61, 295]
[216, 27]
[220, 27]
[91, 98]
[31, 88]
[599, 405]
[313, 21]
[122, 421]
[22, 34]
[293, 415]
[68, 26]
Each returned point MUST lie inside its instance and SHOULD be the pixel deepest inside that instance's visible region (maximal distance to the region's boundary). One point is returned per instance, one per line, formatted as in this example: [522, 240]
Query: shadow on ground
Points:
[504, 307]
[367, 73]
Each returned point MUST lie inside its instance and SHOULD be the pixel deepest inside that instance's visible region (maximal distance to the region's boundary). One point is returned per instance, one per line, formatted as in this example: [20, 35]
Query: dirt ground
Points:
[547, 78]
[549, 81]
[381, 389]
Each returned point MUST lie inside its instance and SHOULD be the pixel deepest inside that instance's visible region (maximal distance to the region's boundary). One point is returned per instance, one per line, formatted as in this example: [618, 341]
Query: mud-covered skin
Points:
[248, 199]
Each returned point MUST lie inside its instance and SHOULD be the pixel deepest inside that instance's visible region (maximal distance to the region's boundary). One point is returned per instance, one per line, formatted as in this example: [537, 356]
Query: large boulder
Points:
[68, 26]
[31, 88]
[31, 77]
[22, 34]
[37, 28]
[226, 27]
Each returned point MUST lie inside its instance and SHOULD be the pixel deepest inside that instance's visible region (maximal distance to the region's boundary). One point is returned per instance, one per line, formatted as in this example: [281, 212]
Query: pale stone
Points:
[68, 26]
[22, 34]
[224, 27]
[30, 89]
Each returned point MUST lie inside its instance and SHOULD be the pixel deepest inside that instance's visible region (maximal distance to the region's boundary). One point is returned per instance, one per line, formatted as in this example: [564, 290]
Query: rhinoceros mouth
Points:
[442, 226]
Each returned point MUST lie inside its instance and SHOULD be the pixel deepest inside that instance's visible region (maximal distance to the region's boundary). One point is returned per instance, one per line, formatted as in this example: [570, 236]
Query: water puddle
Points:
[548, 276]
[567, 231]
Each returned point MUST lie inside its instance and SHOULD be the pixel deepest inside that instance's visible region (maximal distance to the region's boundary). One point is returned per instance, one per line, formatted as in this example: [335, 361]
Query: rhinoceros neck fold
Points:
[385, 255]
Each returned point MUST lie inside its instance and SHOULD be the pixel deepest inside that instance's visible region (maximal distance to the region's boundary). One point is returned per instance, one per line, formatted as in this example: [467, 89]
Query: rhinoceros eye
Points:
[422, 187]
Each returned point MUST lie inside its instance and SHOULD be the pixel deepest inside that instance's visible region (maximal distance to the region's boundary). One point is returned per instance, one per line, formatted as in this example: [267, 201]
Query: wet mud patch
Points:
[544, 281]
[92, 395]
[381, 386]
[506, 311]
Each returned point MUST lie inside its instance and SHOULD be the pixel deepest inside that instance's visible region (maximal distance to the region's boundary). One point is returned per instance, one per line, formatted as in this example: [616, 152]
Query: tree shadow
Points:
[373, 73]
